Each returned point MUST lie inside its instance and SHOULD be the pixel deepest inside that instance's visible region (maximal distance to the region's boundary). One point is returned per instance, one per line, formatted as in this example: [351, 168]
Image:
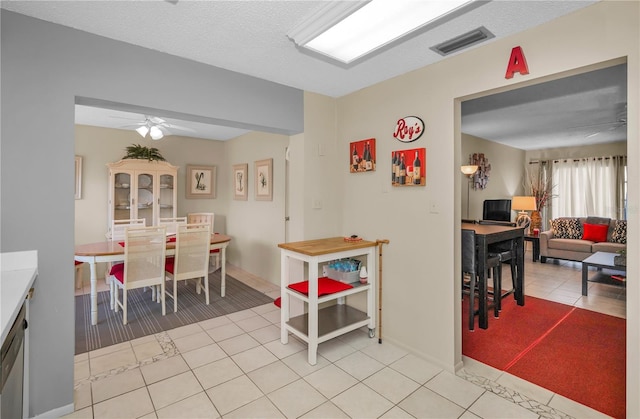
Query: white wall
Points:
[323, 164]
[45, 68]
[421, 290]
[257, 227]
[505, 179]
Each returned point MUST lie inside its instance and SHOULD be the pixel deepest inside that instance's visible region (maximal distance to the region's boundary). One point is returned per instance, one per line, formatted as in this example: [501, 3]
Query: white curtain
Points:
[589, 187]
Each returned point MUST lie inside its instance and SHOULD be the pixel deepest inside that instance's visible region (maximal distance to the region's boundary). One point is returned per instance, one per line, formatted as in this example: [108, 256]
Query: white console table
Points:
[317, 326]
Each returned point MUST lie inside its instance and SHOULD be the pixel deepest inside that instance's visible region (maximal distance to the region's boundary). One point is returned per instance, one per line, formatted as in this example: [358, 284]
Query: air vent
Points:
[463, 41]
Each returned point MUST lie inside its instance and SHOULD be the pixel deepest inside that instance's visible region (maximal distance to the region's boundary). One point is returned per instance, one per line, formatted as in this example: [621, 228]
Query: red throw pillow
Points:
[595, 232]
[325, 286]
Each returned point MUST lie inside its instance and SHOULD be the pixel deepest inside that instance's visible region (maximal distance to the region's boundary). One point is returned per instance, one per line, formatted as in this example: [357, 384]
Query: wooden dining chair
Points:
[206, 217]
[119, 226]
[191, 260]
[470, 273]
[172, 223]
[144, 261]
[116, 233]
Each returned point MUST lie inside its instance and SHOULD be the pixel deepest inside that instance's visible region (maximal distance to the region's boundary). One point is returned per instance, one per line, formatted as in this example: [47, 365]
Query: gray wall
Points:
[45, 68]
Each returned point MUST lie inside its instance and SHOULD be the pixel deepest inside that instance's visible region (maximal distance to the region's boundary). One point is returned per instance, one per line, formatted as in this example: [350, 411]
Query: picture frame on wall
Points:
[239, 178]
[263, 178]
[362, 156]
[201, 182]
[408, 167]
[78, 177]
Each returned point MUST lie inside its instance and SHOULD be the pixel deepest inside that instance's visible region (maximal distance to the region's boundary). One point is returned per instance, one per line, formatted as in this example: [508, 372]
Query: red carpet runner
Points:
[577, 353]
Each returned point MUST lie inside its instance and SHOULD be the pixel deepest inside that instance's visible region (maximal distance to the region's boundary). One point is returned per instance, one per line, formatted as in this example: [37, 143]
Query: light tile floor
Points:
[235, 367]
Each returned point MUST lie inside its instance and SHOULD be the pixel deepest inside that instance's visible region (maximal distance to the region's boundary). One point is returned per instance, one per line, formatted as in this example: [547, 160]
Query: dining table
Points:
[113, 251]
[487, 234]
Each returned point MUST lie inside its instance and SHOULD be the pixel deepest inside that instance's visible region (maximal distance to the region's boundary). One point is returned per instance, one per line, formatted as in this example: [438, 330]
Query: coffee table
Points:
[600, 260]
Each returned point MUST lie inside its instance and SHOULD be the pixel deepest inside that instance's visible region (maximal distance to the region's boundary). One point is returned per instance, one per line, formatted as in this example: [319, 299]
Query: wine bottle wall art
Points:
[408, 167]
[362, 156]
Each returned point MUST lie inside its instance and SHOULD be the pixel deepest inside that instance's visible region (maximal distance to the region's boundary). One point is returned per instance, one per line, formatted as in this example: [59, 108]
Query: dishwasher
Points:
[12, 357]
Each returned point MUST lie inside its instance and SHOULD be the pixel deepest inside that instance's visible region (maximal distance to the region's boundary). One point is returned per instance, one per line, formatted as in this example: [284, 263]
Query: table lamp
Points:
[523, 204]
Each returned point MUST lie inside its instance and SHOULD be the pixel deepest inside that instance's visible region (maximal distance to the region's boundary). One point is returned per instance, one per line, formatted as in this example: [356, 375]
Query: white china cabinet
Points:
[142, 189]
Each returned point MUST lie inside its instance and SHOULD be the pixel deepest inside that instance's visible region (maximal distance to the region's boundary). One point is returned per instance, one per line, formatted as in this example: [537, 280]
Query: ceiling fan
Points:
[621, 121]
[156, 127]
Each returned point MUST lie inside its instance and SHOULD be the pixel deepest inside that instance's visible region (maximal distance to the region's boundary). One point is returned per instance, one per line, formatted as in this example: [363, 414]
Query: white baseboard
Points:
[56, 413]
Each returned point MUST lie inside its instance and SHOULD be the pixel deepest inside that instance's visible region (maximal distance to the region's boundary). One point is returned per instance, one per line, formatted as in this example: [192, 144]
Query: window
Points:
[590, 187]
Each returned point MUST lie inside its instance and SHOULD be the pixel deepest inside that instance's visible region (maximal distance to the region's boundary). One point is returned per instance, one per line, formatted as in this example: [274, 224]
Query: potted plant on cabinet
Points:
[136, 151]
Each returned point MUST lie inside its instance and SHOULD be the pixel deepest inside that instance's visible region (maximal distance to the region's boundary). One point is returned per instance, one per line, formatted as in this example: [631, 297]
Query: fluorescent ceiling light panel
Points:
[376, 24]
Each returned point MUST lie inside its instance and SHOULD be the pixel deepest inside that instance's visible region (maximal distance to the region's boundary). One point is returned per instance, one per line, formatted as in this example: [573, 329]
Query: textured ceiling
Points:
[250, 37]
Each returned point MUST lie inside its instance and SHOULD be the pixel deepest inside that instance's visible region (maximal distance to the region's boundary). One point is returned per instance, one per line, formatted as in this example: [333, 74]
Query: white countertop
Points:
[18, 271]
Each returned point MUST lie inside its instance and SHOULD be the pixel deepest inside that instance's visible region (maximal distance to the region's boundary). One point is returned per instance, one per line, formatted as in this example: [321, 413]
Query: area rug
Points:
[577, 353]
[145, 316]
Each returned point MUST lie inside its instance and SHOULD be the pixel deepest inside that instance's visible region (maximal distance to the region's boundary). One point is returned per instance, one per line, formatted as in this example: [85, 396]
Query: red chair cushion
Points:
[169, 265]
[325, 286]
[78, 262]
[215, 250]
[595, 232]
[118, 272]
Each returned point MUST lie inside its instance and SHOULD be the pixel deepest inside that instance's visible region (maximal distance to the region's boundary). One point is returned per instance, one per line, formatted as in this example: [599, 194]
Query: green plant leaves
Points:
[136, 151]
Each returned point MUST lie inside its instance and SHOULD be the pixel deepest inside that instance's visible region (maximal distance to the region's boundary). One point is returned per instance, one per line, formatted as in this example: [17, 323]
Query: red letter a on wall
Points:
[517, 63]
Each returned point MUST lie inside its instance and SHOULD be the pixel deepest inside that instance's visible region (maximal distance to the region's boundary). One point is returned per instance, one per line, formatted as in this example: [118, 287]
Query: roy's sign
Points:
[408, 129]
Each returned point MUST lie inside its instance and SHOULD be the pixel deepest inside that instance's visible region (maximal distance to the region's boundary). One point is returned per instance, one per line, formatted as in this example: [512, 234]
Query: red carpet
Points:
[577, 353]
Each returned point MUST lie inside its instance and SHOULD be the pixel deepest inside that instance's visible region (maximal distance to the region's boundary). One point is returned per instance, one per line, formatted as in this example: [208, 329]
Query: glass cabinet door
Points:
[167, 196]
[122, 196]
[146, 198]
[140, 189]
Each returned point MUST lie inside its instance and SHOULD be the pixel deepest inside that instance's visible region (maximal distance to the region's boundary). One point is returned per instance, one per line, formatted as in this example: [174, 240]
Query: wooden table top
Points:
[113, 247]
[324, 246]
[489, 228]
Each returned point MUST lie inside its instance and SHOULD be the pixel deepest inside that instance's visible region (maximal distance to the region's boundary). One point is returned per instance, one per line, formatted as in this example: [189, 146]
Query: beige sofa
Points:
[565, 238]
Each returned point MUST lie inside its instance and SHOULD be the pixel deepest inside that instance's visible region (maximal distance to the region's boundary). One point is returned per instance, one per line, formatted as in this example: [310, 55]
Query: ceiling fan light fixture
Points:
[143, 130]
[155, 133]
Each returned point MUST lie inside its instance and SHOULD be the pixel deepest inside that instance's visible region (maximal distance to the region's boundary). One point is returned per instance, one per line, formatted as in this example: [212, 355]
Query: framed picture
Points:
[78, 177]
[362, 156]
[239, 177]
[264, 180]
[201, 182]
[408, 167]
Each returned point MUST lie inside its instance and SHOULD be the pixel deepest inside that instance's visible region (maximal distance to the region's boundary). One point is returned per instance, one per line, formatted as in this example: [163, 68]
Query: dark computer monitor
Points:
[496, 209]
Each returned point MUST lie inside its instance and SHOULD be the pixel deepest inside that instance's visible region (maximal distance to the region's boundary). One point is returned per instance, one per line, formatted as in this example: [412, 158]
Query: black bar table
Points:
[487, 234]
